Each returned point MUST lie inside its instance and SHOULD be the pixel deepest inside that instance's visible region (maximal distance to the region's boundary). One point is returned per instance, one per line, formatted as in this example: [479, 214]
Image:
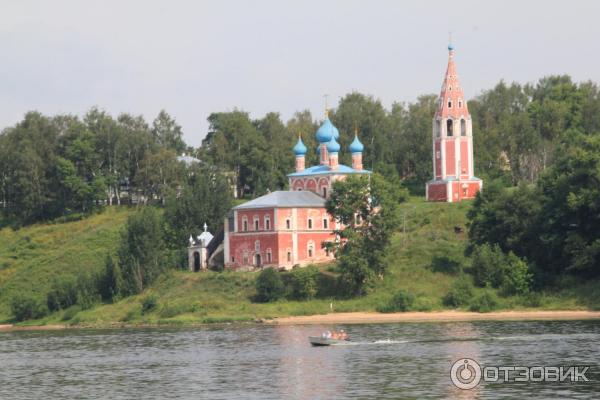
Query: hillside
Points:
[29, 258]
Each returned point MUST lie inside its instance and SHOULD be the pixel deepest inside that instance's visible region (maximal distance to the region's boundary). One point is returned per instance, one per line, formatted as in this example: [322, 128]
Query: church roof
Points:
[285, 198]
[326, 131]
[300, 148]
[452, 102]
[356, 146]
[325, 170]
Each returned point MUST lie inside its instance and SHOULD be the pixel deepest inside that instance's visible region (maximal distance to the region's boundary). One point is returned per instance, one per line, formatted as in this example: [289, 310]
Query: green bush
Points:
[485, 302]
[402, 301]
[70, 313]
[487, 265]
[149, 304]
[269, 286]
[445, 264]
[26, 307]
[461, 293]
[517, 276]
[62, 294]
[304, 283]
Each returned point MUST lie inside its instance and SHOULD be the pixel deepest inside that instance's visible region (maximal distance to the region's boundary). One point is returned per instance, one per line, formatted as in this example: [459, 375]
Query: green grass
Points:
[31, 257]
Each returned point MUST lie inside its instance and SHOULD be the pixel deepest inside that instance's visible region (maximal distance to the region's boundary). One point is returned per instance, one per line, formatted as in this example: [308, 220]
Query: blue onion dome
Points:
[450, 47]
[333, 146]
[356, 146]
[300, 149]
[326, 131]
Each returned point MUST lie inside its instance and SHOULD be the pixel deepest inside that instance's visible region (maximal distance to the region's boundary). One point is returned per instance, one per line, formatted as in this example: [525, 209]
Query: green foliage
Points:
[149, 304]
[445, 264]
[367, 208]
[110, 282]
[487, 265]
[517, 277]
[269, 286]
[142, 250]
[304, 282]
[185, 215]
[27, 306]
[62, 295]
[401, 301]
[485, 302]
[461, 293]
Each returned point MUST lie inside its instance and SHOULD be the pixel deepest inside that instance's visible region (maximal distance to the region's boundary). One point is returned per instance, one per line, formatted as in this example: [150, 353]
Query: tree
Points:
[168, 133]
[204, 198]
[269, 286]
[142, 255]
[366, 208]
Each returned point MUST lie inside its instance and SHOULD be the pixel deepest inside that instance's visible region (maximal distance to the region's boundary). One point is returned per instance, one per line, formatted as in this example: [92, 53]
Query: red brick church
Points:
[453, 178]
[287, 228]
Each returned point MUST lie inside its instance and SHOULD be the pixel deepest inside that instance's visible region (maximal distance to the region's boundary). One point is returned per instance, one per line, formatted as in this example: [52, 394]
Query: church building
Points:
[453, 178]
[287, 228]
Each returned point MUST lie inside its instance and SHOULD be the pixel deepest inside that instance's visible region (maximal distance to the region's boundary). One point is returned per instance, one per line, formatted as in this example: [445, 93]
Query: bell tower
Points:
[453, 177]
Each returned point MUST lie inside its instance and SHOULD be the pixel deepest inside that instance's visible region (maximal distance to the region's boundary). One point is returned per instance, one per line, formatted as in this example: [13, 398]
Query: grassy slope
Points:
[184, 297]
[31, 257]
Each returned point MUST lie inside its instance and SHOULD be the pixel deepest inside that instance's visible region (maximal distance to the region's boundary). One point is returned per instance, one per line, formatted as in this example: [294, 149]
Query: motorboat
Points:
[325, 341]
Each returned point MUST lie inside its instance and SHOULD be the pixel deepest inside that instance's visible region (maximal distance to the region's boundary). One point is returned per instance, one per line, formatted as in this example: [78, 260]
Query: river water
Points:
[409, 360]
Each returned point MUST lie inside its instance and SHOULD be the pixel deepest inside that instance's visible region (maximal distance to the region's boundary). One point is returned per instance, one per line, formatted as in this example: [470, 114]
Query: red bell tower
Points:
[453, 178]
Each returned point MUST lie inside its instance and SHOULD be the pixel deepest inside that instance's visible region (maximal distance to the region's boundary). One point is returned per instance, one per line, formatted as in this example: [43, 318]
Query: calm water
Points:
[231, 362]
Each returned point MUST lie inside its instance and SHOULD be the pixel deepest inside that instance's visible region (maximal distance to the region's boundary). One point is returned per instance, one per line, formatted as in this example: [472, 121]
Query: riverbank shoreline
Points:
[436, 316]
[348, 318]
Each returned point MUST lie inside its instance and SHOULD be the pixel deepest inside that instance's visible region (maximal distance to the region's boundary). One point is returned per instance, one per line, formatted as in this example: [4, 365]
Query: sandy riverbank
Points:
[358, 318]
[439, 316]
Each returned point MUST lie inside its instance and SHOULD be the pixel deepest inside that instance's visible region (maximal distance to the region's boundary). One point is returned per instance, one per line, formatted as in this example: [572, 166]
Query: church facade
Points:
[287, 228]
[453, 176]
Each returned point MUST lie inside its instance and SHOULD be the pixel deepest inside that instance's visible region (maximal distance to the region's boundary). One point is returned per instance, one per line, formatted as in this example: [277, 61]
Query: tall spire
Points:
[452, 103]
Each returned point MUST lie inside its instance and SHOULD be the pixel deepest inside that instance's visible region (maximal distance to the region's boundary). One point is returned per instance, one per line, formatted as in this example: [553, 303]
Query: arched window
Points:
[449, 126]
[460, 103]
[256, 223]
[289, 255]
[324, 192]
[449, 103]
[288, 224]
[267, 223]
[463, 127]
[310, 224]
[325, 223]
[245, 224]
[269, 255]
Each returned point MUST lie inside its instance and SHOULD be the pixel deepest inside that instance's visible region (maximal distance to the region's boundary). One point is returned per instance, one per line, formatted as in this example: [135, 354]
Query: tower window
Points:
[449, 88]
[460, 104]
[449, 103]
[449, 127]
[463, 127]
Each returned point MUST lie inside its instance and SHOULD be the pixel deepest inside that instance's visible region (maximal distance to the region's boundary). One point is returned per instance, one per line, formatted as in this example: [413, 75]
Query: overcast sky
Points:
[197, 57]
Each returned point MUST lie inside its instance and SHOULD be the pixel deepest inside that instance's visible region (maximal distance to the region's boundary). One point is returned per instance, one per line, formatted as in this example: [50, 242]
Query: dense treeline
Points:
[56, 166]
